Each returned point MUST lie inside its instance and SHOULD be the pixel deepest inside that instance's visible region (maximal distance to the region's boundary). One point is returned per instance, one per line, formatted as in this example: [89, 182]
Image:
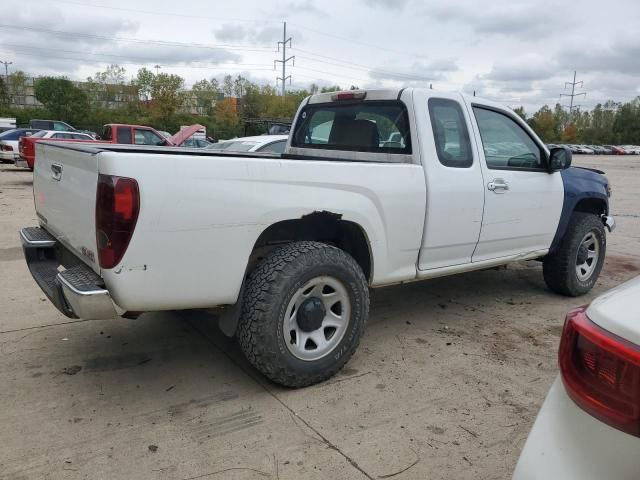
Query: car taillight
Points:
[7, 148]
[601, 372]
[117, 207]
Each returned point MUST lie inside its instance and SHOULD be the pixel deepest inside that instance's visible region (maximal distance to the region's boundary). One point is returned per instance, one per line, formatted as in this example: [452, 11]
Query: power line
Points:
[170, 14]
[573, 94]
[267, 67]
[244, 20]
[247, 48]
[284, 60]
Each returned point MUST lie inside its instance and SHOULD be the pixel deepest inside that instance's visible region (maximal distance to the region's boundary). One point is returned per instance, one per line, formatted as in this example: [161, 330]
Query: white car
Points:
[9, 142]
[262, 143]
[631, 149]
[62, 135]
[589, 425]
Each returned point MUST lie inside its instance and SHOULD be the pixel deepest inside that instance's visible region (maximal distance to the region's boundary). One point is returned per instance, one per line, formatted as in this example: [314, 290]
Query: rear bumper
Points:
[7, 157]
[75, 290]
[21, 163]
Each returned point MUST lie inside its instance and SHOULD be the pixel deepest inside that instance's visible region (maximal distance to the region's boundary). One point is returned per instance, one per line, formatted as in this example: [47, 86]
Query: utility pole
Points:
[284, 60]
[6, 71]
[573, 92]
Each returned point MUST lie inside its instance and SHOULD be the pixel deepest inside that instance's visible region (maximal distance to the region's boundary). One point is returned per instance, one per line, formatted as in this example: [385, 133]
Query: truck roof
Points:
[393, 94]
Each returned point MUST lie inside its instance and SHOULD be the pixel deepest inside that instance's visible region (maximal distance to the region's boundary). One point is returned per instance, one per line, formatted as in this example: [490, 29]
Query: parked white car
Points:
[288, 245]
[9, 143]
[589, 425]
[262, 143]
[631, 149]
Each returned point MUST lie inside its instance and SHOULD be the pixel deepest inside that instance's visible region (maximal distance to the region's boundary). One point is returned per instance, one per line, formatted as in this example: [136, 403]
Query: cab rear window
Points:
[378, 127]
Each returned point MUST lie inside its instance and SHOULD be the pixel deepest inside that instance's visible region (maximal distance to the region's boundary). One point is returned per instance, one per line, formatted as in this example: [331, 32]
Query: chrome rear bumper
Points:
[75, 289]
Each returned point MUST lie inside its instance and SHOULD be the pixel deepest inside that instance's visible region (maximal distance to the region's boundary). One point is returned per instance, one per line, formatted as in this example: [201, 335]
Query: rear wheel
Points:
[574, 268]
[304, 310]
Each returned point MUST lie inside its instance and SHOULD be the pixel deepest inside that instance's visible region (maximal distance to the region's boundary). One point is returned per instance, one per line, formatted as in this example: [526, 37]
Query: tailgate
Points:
[64, 186]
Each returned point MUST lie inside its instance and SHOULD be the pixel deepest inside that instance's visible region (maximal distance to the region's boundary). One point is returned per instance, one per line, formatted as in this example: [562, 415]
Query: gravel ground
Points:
[446, 383]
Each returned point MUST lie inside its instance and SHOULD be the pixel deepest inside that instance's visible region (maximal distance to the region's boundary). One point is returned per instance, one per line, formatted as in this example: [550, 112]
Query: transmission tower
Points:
[284, 60]
[573, 93]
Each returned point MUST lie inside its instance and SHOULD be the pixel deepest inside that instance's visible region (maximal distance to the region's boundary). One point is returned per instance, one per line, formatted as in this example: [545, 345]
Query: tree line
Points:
[611, 123]
[163, 101]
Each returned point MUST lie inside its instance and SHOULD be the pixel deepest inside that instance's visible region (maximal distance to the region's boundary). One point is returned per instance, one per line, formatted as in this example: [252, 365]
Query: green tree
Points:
[227, 119]
[204, 95]
[167, 94]
[62, 98]
[227, 86]
[4, 93]
[144, 83]
[521, 113]
[543, 124]
[108, 86]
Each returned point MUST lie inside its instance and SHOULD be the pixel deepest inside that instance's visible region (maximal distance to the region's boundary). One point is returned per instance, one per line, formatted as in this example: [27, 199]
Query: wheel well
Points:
[324, 227]
[591, 205]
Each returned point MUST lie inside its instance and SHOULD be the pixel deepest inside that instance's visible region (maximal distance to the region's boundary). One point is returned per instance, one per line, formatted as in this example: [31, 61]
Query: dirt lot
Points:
[445, 385]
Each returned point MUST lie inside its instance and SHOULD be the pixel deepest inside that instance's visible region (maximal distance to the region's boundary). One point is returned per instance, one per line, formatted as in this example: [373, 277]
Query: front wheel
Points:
[574, 268]
[304, 310]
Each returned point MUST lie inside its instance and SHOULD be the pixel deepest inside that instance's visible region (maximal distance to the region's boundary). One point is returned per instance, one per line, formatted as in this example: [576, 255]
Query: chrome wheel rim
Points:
[587, 256]
[316, 318]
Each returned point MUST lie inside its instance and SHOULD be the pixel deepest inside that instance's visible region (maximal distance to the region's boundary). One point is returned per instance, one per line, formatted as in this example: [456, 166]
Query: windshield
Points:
[381, 127]
[40, 134]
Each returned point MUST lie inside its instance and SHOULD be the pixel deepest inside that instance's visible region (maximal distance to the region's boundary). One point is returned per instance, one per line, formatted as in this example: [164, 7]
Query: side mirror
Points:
[559, 159]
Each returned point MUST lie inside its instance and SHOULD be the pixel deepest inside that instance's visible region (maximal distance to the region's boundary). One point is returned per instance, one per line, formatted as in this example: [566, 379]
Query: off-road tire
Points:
[269, 289]
[559, 268]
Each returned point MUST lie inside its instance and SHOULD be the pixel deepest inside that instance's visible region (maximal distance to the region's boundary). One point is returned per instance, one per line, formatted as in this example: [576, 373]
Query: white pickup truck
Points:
[375, 188]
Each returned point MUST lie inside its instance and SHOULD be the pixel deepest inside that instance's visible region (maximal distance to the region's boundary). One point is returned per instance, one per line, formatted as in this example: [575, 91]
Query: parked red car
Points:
[617, 150]
[112, 133]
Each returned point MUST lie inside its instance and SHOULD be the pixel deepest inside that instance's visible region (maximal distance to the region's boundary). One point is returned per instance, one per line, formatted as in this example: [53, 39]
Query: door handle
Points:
[56, 171]
[498, 185]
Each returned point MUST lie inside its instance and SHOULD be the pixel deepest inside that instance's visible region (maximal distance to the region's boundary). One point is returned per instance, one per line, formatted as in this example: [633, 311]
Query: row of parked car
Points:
[17, 145]
[600, 149]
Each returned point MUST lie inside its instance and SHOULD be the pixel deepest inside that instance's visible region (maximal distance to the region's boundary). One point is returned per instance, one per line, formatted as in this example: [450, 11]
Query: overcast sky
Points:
[517, 52]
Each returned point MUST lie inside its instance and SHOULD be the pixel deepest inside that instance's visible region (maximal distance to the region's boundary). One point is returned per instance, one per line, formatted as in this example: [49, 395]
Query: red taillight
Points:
[117, 207]
[601, 372]
[7, 148]
[336, 97]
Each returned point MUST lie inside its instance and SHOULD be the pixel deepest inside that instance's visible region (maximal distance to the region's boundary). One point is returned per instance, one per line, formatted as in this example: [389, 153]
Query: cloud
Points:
[307, 7]
[619, 57]
[390, 4]
[526, 68]
[58, 44]
[264, 36]
[510, 19]
[419, 72]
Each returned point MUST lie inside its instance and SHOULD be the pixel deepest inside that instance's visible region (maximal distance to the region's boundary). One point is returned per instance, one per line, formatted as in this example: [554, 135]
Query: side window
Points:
[450, 133]
[275, 147]
[124, 135]
[59, 126]
[147, 137]
[506, 144]
[106, 134]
